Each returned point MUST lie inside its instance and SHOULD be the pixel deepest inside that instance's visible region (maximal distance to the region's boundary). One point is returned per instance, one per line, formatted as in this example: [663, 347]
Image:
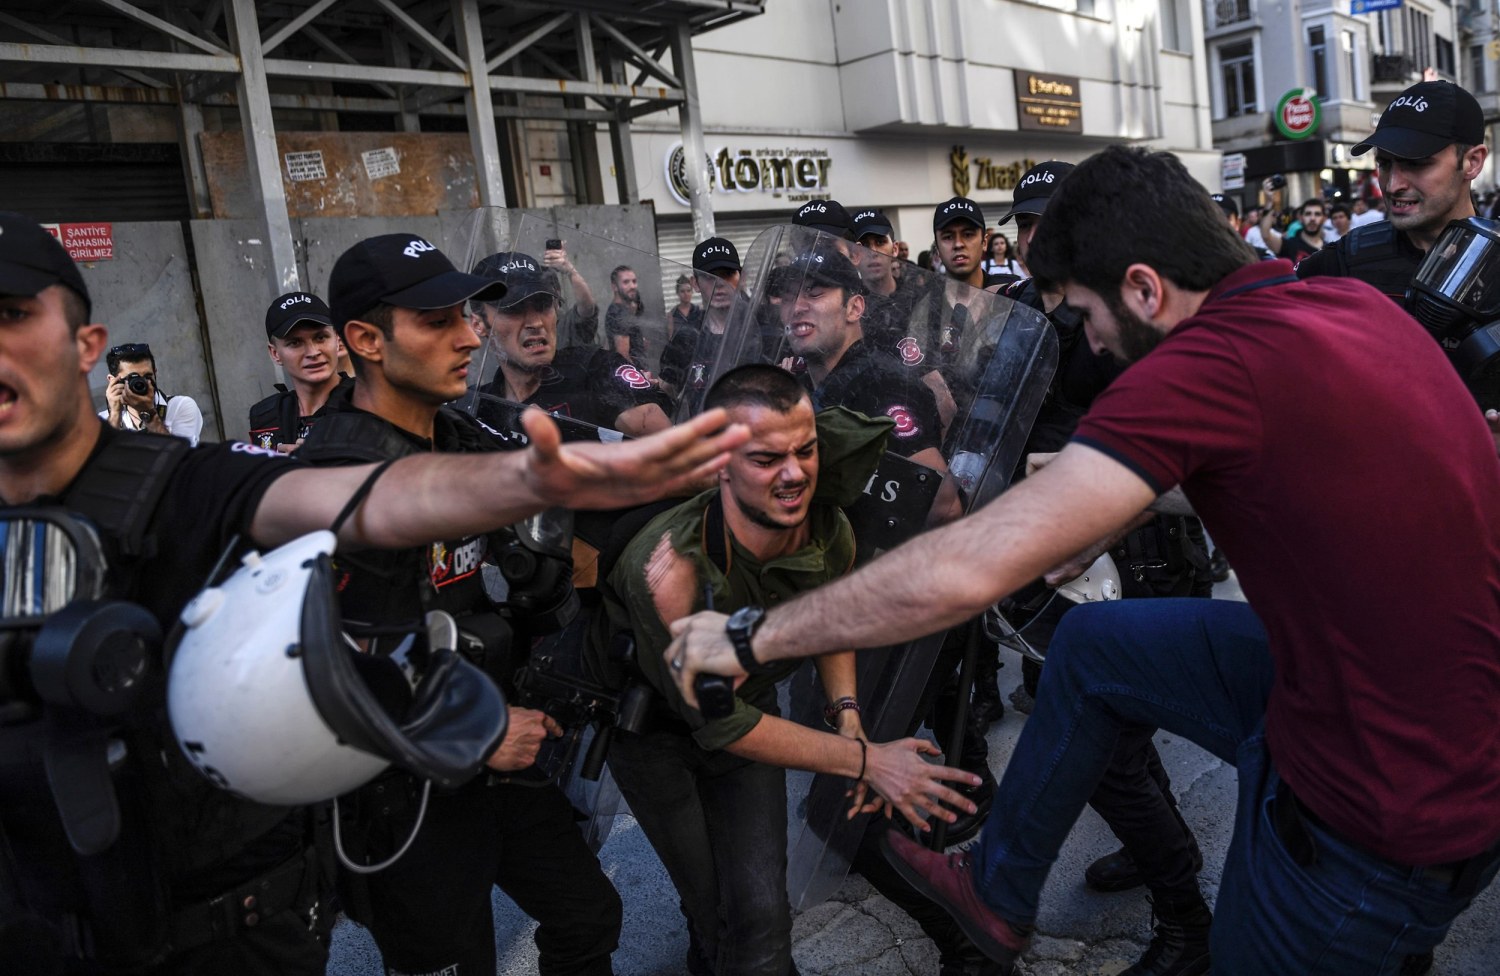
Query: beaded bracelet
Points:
[831, 712]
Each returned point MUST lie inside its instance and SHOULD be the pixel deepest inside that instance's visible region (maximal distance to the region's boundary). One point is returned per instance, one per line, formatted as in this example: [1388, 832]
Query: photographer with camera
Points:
[137, 403]
[1303, 236]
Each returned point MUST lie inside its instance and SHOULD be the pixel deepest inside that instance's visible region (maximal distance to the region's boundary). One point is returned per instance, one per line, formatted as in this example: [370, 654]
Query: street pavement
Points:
[858, 933]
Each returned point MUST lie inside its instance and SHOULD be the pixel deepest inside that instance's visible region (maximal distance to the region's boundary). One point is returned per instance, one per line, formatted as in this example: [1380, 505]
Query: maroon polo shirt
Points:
[1339, 462]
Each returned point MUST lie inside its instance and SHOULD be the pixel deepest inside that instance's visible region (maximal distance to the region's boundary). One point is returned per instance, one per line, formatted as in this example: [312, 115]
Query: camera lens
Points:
[138, 385]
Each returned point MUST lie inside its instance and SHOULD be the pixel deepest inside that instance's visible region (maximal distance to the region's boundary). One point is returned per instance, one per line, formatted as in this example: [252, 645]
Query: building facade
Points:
[1294, 86]
[901, 104]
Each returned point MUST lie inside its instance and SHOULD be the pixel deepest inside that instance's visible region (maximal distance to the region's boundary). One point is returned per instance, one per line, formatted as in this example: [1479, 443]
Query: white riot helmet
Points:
[269, 700]
[1100, 582]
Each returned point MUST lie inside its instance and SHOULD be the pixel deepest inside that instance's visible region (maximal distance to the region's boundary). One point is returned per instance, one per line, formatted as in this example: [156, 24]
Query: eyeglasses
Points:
[131, 350]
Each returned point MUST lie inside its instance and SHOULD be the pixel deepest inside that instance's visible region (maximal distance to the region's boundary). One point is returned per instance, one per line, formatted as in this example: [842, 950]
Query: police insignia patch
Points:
[632, 377]
[911, 351]
[906, 422]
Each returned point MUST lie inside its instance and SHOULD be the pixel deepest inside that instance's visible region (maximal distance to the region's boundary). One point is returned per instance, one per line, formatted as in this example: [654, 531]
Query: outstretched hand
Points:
[604, 476]
[911, 785]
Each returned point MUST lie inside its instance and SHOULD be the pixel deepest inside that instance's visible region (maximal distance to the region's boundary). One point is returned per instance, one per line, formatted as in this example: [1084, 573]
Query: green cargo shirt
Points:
[849, 448]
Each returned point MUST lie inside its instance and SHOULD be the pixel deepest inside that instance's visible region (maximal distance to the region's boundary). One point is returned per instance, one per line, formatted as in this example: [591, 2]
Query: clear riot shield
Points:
[963, 373]
[585, 330]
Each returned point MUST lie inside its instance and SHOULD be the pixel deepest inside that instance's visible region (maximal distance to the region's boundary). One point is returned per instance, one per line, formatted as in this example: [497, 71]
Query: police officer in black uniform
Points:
[403, 321]
[690, 355]
[119, 856]
[590, 384]
[301, 340]
[1165, 557]
[1429, 148]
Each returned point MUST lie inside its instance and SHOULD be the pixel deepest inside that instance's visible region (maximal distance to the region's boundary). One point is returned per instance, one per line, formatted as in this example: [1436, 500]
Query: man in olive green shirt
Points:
[711, 794]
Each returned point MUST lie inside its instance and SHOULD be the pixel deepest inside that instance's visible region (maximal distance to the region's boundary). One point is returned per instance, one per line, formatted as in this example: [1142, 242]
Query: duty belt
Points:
[244, 907]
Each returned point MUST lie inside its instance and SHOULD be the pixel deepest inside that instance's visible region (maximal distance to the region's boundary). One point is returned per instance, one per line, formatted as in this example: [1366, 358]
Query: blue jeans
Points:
[1200, 669]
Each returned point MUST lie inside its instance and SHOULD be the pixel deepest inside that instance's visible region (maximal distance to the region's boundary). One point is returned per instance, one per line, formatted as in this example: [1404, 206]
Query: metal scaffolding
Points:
[480, 60]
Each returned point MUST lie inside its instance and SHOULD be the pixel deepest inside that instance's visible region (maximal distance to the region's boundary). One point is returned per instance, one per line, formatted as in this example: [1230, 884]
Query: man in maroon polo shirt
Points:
[1298, 419]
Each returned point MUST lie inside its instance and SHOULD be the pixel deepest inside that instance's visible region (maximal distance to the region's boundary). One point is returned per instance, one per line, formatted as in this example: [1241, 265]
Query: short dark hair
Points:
[1111, 212]
[683, 280]
[614, 276]
[1314, 202]
[759, 385]
[76, 311]
[1340, 208]
[380, 315]
[128, 352]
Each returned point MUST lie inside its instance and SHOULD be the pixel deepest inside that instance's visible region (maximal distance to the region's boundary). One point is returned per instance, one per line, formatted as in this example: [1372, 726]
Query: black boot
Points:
[1179, 944]
[968, 825]
[1118, 871]
[985, 707]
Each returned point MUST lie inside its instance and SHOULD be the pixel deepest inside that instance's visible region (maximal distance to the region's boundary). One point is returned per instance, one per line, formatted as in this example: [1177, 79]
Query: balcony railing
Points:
[1393, 67]
[1223, 13]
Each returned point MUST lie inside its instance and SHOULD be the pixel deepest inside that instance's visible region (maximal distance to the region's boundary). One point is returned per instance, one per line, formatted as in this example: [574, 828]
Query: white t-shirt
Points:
[1368, 217]
[183, 418]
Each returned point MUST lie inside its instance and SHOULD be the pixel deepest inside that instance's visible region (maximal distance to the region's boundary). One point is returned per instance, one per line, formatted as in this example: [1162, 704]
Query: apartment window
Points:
[1443, 49]
[1317, 52]
[1419, 38]
[1171, 27]
[1237, 71]
[1477, 80]
[1350, 46]
[1224, 12]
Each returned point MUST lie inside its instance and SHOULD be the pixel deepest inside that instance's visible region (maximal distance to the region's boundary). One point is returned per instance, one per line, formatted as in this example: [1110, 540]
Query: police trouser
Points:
[430, 912]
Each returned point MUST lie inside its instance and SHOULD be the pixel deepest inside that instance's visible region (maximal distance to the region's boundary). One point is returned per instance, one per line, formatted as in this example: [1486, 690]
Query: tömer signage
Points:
[1048, 103]
[792, 173]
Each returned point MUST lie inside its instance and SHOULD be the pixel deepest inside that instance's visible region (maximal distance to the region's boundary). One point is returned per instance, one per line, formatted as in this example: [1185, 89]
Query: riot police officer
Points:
[1429, 148]
[403, 322]
[597, 386]
[301, 340]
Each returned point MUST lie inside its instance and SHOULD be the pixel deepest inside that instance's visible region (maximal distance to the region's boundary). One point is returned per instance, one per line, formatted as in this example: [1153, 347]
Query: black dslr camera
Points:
[138, 384]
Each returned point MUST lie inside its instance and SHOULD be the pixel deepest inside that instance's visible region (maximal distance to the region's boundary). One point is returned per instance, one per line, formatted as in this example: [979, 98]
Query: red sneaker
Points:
[948, 881]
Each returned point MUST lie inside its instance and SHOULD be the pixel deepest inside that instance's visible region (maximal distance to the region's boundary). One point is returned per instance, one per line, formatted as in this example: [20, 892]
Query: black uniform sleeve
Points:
[1321, 262]
[905, 400]
[617, 386]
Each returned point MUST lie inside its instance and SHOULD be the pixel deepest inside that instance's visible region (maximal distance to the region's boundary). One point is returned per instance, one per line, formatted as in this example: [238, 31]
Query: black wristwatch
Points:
[741, 627]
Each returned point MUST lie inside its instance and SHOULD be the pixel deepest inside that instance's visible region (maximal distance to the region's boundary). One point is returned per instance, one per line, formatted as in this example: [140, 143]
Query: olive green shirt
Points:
[849, 449]
[629, 603]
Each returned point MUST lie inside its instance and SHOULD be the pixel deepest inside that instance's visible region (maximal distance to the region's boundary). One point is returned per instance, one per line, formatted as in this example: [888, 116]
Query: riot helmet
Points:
[1456, 297]
[270, 700]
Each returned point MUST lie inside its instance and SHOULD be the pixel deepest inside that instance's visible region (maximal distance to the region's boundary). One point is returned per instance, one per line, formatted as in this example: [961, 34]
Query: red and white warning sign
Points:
[85, 242]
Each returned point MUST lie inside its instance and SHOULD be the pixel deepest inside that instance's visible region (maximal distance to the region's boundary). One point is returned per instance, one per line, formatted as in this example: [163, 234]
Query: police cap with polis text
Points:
[957, 209]
[32, 260]
[828, 216]
[403, 270]
[521, 274]
[1424, 119]
[1036, 187]
[870, 221]
[1229, 205]
[716, 254]
[822, 264]
[295, 308]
